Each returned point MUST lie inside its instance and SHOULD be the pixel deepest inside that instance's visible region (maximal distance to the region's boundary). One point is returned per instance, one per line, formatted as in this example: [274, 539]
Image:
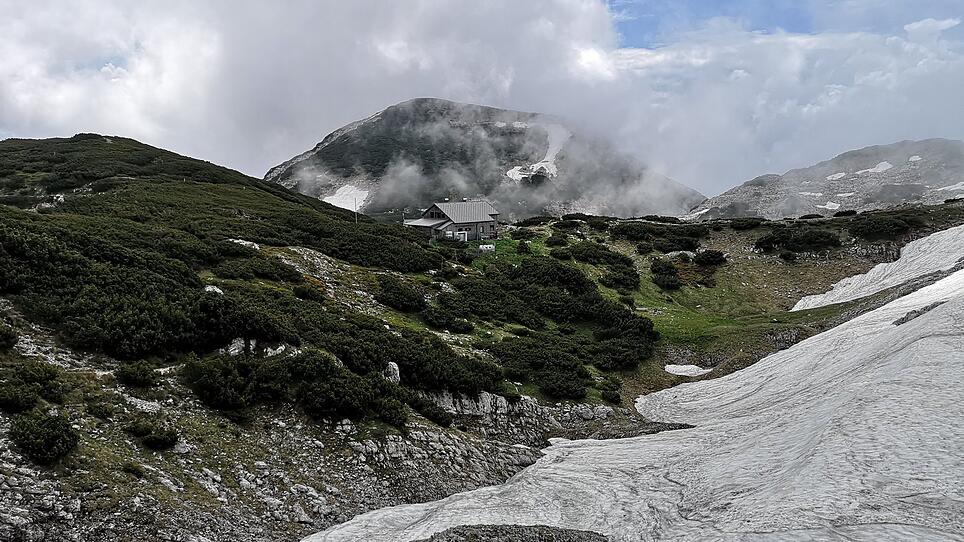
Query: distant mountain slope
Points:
[927, 171]
[424, 149]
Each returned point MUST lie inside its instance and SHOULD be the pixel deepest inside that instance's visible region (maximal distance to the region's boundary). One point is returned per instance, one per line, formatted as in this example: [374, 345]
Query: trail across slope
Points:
[856, 433]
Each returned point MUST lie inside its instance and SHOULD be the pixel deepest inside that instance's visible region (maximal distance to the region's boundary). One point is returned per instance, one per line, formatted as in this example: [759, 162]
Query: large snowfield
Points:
[854, 434]
[347, 197]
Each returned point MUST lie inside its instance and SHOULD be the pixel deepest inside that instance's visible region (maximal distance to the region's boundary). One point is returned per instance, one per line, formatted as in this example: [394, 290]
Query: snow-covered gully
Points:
[853, 434]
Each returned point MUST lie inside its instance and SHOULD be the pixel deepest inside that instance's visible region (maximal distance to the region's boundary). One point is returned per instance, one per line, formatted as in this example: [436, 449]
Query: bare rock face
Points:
[422, 150]
[928, 171]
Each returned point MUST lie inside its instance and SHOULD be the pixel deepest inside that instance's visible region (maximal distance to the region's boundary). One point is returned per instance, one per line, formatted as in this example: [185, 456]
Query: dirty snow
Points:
[854, 434]
[914, 158]
[937, 252]
[958, 186]
[249, 244]
[829, 205]
[686, 370]
[558, 135]
[695, 215]
[879, 168]
[517, 173]
[836, 176]
[348, 197]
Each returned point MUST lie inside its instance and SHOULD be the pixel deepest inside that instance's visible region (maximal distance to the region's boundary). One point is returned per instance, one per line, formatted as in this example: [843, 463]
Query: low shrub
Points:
[811, 216]
[8, 337]
[675, 244]
[154, 433]
[746, 223]
[308, 293]
[523, 248]
[17, 396]
[566, 224]
[43, 437]
[399, 294]
[665, 274]
[137, 374]
[709, 257]
[848, 212]
[523, 234]
[446, 317]
[644, 248]
[534, 221]
[556, 240]
[561, 253]
[788, 255]
[798, 239]
[879, 227]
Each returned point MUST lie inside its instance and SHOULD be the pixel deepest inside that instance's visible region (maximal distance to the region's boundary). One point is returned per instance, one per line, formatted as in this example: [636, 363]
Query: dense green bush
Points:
[257, 267]
[620, 270]
[565, 224]
[8, 337]
[17, 396]
[523, 248]
[798, 239]
[308, 293]
[848, 212]
[535, 221]
[709, 257]
[746, 223]
[665, 274]
[811, 216]
[879, 227]
[788, 255]
[523, 234]
[556, 240]
[644, 248]
[676, 243]
[138, 374]
[545, 360]
[399, 294]
[43, 437]
[561, 253]
[155, 433]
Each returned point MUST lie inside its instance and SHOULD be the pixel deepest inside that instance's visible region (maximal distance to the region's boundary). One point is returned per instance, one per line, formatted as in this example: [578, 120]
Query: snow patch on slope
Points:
[836, 176]
[853, 434]
[829, 205]
[686, 370]
[937, 252]
[558, 136]
[348, 197]
[958, 186]
[879, 168]
[914, 158]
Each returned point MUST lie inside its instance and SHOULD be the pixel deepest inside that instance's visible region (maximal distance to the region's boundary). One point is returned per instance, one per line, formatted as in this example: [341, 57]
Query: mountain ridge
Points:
[421, 150]
[924, 171]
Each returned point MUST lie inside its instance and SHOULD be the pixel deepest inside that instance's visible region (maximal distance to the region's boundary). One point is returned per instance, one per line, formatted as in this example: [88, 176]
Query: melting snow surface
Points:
[846, 194]
[836, 176]
[558, 135]
[854, 434]
[829, 205]
[938, 252]
[347, 197]
[958, 186]
[914, 158]
[686, 370]
[879, 168]
[695, 215]
[814, 194]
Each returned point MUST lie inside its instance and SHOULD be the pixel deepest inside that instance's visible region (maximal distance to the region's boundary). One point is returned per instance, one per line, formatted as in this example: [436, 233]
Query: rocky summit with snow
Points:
[928, 171]
[426, 149]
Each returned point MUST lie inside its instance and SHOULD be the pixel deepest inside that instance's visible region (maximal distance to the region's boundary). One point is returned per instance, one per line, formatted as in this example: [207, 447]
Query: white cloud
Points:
[249, 84]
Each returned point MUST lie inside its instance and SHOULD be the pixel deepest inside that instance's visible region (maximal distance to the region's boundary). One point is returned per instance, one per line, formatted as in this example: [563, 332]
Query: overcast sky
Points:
[709, 92]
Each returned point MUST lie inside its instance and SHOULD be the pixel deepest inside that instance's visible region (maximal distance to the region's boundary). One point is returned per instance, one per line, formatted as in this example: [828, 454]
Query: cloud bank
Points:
[251, 84]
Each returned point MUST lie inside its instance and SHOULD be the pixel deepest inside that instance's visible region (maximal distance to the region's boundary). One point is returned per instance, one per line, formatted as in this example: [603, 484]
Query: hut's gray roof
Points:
[461, 212]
